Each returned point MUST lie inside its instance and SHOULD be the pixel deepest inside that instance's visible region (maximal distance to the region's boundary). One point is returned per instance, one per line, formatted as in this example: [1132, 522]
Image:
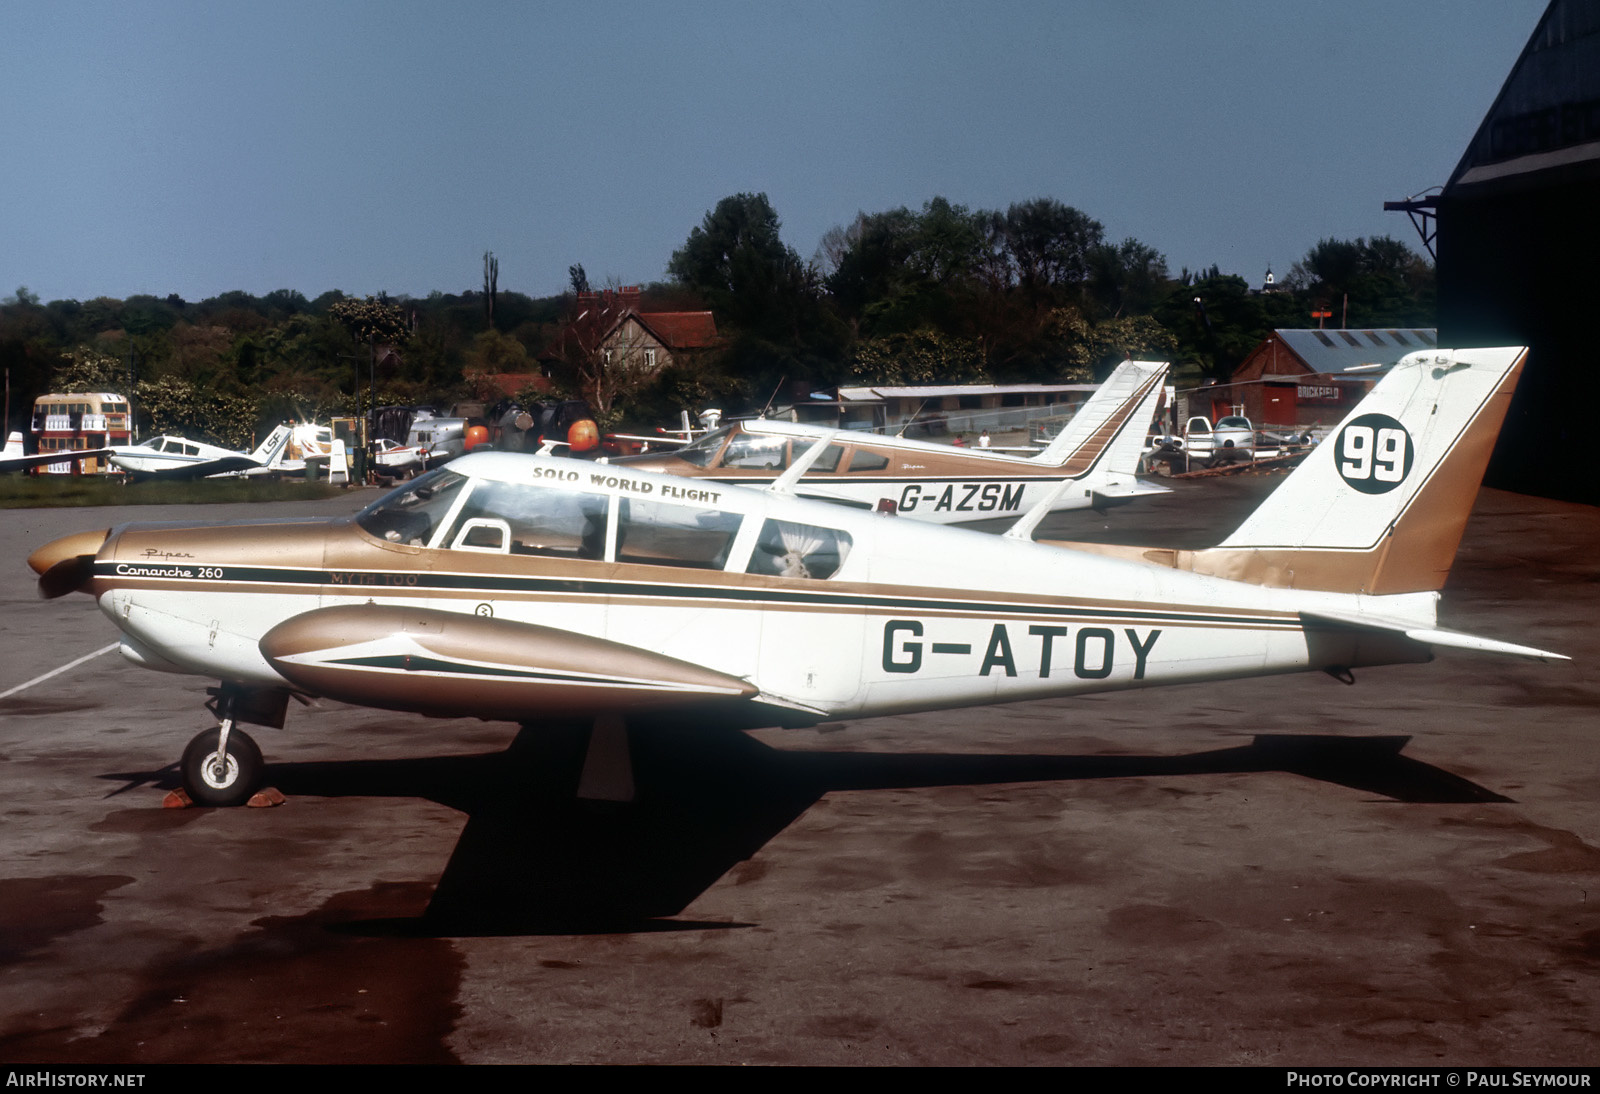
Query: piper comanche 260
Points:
[1092, 462]
[535, 589]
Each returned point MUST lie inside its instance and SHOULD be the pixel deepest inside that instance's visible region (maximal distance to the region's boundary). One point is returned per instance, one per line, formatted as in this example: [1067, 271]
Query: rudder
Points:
[1380, 506]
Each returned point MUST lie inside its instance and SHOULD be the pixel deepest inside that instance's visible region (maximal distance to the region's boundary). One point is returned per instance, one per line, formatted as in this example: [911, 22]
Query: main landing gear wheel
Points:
[228, 779]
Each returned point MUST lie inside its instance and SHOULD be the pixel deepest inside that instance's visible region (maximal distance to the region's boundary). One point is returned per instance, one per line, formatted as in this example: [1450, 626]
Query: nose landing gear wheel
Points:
[226, 780]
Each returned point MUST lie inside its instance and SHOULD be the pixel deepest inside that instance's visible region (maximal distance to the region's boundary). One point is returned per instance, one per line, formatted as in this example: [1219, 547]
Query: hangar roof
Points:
[1546, 119]
[1335, 351]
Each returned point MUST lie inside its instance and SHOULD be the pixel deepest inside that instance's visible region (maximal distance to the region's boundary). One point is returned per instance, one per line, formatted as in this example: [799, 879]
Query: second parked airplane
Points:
[1092, 462]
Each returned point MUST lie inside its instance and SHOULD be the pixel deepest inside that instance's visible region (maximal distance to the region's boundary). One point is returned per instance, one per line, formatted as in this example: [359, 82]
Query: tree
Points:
[87, 369]
[899, 271]
[1376, 282]
[737, 261]
[373, 320]
[920, 357]
[1127, 279]
[491, 285]
[1049, 245]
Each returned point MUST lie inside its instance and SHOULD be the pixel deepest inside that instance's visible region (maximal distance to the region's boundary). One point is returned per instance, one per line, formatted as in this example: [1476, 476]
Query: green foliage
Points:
[371, 321]
[87, 369]
[736, 260]
[174, 405]
[1378, 282]
[1073, 348]
[495, 352]
[1049, 245]
[918, 357]
[900, 271]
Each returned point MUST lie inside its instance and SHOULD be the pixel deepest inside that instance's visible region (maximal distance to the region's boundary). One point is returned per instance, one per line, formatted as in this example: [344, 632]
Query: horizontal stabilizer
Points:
[1115, 493]
[1431, 636]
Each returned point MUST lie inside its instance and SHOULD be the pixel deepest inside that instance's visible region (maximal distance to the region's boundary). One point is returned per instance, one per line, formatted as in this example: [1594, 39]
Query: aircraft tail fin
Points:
[1110, 428]
[1380, 506]
[270, 451]
[13, 445]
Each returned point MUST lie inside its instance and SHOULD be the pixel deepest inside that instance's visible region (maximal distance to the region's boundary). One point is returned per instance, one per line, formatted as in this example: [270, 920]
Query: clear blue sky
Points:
[196, 148]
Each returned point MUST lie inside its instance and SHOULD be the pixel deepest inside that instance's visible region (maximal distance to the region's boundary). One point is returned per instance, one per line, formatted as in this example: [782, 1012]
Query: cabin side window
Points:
[658, 534]
[786, 549]
[828, 462]
[530, 519]
[866, 460]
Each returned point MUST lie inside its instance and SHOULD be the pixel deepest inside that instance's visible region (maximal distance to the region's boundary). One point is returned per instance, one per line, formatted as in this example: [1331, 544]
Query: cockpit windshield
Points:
[701, 452]
[757, 452]
[411, 514]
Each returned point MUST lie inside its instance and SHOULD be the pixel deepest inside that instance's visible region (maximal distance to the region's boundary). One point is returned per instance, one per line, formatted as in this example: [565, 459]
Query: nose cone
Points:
[66, 565]
[67, 547]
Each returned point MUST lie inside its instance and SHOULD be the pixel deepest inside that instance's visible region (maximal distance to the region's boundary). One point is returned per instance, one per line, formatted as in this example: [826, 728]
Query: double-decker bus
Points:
[86, 420]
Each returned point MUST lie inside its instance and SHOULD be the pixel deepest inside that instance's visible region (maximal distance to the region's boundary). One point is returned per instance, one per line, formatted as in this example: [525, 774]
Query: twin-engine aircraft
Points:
[1097, 454]
[169, 457]
[535, 589]
[284, 451]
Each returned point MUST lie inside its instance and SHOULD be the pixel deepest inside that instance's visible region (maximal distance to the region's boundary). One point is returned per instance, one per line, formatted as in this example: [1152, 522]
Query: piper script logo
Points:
[1374, 453]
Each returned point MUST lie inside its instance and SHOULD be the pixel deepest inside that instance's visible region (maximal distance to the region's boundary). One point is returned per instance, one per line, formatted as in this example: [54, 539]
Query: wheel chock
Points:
[176, 799]
[266, 798]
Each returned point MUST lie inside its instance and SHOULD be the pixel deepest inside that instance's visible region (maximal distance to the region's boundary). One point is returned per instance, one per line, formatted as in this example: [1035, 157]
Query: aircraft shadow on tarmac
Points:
[535, 859]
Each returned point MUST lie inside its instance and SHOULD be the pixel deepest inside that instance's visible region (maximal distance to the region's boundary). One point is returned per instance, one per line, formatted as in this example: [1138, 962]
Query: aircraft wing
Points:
[455, 665]
[202, 470]
[22, 463]
[1430, 636]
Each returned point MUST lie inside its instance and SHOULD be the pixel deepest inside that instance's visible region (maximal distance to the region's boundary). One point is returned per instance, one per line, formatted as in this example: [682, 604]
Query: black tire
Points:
[234, 786]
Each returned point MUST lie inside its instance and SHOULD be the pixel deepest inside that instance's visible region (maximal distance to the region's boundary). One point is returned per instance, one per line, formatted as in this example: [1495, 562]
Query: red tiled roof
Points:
[601, 313]
[682, 329]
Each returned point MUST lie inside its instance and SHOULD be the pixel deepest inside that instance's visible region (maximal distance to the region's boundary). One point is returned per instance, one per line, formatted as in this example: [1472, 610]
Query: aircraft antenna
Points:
[905, 425]
[773, 396]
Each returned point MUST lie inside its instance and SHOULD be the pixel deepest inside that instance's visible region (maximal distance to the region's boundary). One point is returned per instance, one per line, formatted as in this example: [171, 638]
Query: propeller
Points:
[66, 576]
[66, 565]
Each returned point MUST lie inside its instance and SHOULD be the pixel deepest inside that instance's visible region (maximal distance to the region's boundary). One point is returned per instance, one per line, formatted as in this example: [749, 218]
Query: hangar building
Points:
[1518, 233]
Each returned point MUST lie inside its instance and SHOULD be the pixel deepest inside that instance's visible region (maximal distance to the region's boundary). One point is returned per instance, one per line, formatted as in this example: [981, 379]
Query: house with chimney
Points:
[609, 333]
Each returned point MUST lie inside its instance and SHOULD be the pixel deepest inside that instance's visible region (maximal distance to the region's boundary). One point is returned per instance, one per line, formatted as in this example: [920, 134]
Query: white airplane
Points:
[283, 451]
[1096, 454]
[535, 589]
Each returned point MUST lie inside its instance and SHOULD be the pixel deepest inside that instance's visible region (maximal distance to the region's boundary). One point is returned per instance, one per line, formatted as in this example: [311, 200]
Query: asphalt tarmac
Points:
[1284, 871]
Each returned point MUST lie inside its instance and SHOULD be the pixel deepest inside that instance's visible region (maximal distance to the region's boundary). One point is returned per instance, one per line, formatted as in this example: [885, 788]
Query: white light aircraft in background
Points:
[1091, 463]
[543, 591]
[283, 452]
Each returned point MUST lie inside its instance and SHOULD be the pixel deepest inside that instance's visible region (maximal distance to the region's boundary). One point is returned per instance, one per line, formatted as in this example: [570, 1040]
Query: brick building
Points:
[1308, 377]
